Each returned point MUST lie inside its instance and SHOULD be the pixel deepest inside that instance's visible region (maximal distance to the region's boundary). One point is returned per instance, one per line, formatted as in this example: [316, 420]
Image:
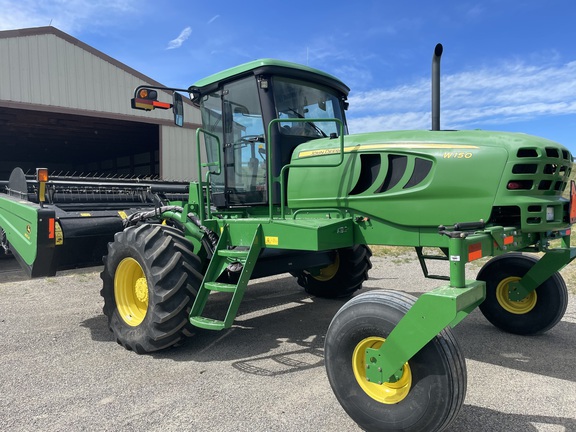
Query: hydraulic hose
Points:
[157, 213]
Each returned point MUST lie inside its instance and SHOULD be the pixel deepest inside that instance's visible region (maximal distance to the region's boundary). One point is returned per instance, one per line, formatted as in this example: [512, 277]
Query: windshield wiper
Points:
[316, 128]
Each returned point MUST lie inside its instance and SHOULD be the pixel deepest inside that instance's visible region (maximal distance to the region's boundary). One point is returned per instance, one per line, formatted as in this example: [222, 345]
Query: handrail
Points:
[205, 212]
[319, 210]
[280, 179]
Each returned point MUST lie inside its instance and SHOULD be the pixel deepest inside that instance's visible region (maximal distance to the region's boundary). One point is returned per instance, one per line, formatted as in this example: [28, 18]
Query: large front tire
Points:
[541, 310]
[432, 388]
[340, 279]
[150, 280]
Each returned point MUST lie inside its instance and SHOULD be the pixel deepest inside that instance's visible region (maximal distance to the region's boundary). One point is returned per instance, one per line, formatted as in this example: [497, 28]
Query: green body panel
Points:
[431, 178]
[31, 234]
[298, 234]
[19, 219]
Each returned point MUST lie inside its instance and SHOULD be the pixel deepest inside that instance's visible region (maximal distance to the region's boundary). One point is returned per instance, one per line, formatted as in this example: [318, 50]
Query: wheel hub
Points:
[141, 290]
[519, 307]
[328, 272]
[390, 392]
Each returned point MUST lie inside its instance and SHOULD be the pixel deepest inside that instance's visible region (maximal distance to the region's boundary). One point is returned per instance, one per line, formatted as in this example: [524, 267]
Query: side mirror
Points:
[178, 109]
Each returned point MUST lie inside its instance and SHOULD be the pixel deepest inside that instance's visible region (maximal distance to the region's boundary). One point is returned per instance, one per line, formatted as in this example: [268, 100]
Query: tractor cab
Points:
[237, 108]
[250, 107]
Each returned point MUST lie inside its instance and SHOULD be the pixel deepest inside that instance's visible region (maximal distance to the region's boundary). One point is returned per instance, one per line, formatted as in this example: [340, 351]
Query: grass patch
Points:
[391, 251]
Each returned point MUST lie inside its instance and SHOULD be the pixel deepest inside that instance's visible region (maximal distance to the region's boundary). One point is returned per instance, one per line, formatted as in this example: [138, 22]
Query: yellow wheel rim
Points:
[131, 291]
[388, 392]
[328, 272]
[516, 307]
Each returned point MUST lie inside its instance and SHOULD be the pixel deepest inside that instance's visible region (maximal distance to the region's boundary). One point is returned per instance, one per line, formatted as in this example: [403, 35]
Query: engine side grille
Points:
[540, 171]
[402, 172]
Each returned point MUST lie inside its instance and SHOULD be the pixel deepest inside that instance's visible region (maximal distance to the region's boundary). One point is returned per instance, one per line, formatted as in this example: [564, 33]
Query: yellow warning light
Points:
[143, 93]
[42, 177]
[42, 174]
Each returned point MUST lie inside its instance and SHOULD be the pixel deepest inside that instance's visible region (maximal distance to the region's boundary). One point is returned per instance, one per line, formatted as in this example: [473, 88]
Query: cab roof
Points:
[268, 67]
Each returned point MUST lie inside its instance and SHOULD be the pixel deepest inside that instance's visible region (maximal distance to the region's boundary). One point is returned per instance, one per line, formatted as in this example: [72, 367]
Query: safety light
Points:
[147, 99]
[519, 185]
[42, 174]
[42, 178]
[572, 202]
[147, 94]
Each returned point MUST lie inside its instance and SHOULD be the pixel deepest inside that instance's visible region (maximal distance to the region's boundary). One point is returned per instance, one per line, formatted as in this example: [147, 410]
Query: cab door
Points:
[234, 115]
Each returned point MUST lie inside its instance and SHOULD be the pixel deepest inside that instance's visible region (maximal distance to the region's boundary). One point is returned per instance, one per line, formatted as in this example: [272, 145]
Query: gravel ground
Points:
[61, 369]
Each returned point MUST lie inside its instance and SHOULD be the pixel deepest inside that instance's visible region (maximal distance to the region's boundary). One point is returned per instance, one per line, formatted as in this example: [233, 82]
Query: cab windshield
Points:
[303, 100]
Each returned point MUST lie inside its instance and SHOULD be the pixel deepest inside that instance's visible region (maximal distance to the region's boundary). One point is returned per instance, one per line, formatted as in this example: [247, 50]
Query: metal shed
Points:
[66, 106]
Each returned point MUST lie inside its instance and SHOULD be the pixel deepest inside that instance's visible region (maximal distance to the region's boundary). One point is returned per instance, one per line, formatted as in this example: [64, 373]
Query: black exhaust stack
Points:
[436, 87]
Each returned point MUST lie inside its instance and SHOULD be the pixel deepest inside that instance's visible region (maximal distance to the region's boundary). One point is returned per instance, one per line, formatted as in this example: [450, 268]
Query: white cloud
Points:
[392, 121]
[177, 43]
[501, 94]
[214, 18]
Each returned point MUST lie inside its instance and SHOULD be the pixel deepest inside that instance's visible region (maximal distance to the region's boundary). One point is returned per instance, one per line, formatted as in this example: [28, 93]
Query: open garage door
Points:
[67, 143]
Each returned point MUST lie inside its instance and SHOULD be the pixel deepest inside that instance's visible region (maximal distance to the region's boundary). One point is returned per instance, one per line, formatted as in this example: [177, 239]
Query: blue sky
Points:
[507, 65]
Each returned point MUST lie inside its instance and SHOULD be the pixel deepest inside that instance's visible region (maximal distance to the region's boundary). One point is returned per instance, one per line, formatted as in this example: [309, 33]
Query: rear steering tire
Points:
[541, 310]
[431, 390]
[150, 280]
[340, 279]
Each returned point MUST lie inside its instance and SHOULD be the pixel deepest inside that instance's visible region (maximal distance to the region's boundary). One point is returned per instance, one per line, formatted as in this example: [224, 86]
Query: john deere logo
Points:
[28, 229]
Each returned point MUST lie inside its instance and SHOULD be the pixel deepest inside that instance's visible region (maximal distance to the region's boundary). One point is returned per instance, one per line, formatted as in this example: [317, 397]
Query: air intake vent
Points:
[369, 169]
[559, 186]
[525, 169]
[527, 153]
[396, 169]
[550, 168]
[540, 171]
[544, 185]
[414, 170]
[421, 169]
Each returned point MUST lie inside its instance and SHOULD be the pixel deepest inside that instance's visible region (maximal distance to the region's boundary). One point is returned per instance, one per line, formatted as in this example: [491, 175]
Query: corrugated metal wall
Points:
[175, 141]
[49, 69]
